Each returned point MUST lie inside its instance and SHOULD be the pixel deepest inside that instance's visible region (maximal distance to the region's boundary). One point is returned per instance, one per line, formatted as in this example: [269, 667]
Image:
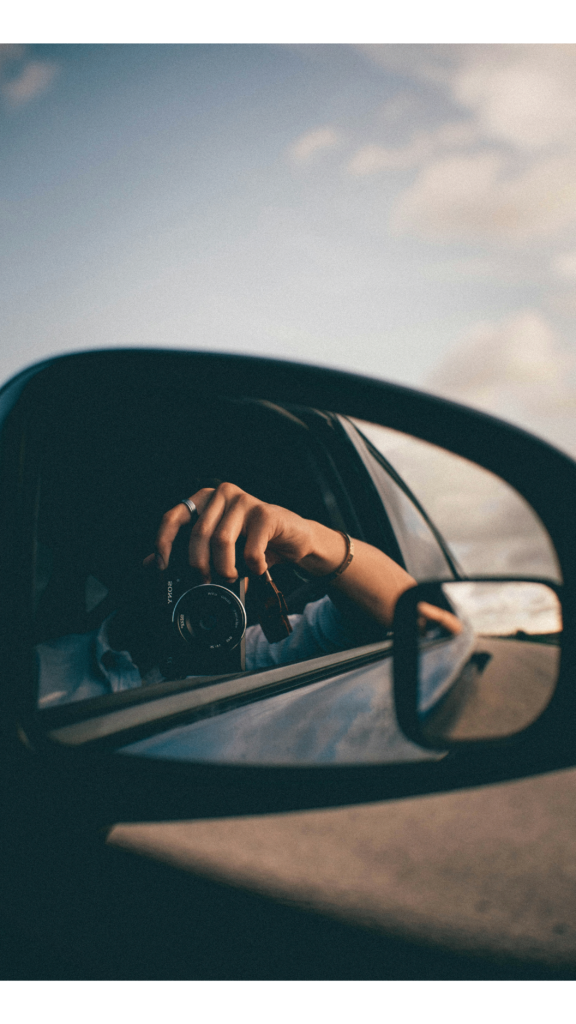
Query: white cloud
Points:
[21, 77]
[313, 143]
[507, 171]
[519, 351]
[374, 158]
[517, 369]
[450, 195]
[490, 528]
[525, 95]
[371, 159]
[521, 94]
[565, 265]
[423, 61]
[476, 195]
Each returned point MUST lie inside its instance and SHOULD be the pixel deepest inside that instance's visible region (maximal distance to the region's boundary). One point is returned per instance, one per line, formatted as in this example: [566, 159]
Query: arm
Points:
[274, 534]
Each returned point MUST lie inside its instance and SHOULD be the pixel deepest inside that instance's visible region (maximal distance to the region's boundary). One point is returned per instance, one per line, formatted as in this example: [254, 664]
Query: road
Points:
[501, 698]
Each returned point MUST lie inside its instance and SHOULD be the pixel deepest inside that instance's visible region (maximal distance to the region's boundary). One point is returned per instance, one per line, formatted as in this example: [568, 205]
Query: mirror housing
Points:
[117, 787]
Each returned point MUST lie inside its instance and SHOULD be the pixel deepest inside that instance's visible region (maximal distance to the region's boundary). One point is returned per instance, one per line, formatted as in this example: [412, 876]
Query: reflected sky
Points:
[490, 528]
[502, 609]
[347, 720]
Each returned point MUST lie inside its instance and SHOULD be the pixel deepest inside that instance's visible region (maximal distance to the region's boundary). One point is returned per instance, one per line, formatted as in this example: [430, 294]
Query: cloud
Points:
[503, 165]
[489, 527]
[429, 62]
[520, 351]
[372, 159]
[520, 94]
[477, 195]
[34, 79]
[525, 96]
[313, 143]
[565, 265]
[517, 369]
[23, 78]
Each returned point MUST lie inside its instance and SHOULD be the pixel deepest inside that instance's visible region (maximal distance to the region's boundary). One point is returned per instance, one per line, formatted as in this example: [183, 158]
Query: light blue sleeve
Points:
[78, 667]
[81, 666]
[321, 629]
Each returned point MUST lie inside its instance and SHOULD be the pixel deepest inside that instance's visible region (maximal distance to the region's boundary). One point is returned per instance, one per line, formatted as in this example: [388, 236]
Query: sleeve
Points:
[321, 629]
[81, 666]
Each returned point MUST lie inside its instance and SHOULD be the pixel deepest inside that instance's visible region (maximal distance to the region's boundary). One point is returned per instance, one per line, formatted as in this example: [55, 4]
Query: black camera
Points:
[201, 625]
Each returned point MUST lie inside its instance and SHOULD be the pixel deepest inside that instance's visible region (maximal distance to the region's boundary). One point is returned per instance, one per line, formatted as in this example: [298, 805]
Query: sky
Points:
[404, 211]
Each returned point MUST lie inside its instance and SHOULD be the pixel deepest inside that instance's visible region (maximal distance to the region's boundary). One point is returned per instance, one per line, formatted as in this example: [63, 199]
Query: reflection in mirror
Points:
[252, 680]
[496, 674]
[490, 528]
[109, 619]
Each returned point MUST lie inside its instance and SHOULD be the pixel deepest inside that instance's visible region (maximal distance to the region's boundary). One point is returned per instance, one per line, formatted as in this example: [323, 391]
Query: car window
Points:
[423, 555]
[489, 527]
[106, 625]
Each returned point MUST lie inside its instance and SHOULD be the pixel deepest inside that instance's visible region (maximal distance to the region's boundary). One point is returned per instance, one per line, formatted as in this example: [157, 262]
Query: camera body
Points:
[175, 622]
[202, 625]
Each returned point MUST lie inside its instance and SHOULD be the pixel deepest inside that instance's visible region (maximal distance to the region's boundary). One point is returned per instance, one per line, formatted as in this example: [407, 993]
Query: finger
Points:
[260, 528]
[430, 612]
[223, 541]
[173, 521]
[199, 547]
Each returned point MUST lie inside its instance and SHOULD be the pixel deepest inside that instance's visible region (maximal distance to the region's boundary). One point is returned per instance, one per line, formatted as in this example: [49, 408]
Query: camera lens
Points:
[210, 617]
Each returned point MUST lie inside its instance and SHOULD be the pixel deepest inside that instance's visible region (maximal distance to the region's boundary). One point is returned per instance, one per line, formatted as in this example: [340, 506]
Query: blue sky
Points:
[404, 211]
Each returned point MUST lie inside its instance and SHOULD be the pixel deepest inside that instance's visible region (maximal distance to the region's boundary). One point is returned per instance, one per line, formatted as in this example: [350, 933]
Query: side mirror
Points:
[475, 660]
[95, 447]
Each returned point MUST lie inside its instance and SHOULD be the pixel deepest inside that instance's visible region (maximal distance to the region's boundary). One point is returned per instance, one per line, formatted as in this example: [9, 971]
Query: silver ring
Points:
[190, 506]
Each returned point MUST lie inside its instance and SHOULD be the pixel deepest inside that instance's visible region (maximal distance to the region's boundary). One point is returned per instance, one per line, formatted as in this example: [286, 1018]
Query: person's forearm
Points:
[274, 534]
[372, 580]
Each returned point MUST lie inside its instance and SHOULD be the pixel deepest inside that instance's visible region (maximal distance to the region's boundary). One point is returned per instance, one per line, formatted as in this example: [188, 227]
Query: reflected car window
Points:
[423, 555]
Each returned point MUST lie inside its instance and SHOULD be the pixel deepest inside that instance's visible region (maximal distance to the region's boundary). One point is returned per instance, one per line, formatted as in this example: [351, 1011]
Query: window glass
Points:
[422, 553]
[488, 526]
[106, 620]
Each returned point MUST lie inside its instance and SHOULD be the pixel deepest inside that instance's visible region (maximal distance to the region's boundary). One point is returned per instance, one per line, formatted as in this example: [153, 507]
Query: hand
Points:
[273, 534]
[431, 613]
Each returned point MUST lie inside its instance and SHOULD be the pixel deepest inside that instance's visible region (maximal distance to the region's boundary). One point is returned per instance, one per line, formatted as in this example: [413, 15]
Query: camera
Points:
[201, 625]
[175, 622]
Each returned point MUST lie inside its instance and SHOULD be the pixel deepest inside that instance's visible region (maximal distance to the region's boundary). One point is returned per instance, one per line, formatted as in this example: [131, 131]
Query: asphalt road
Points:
[501, 698]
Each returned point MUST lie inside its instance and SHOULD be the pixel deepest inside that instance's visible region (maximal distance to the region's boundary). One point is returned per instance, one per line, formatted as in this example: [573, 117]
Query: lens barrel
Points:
[210, 617]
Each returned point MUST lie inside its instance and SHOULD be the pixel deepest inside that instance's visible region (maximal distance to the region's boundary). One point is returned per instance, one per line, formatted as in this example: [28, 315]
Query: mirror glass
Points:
[490, 667]
[114, 455]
